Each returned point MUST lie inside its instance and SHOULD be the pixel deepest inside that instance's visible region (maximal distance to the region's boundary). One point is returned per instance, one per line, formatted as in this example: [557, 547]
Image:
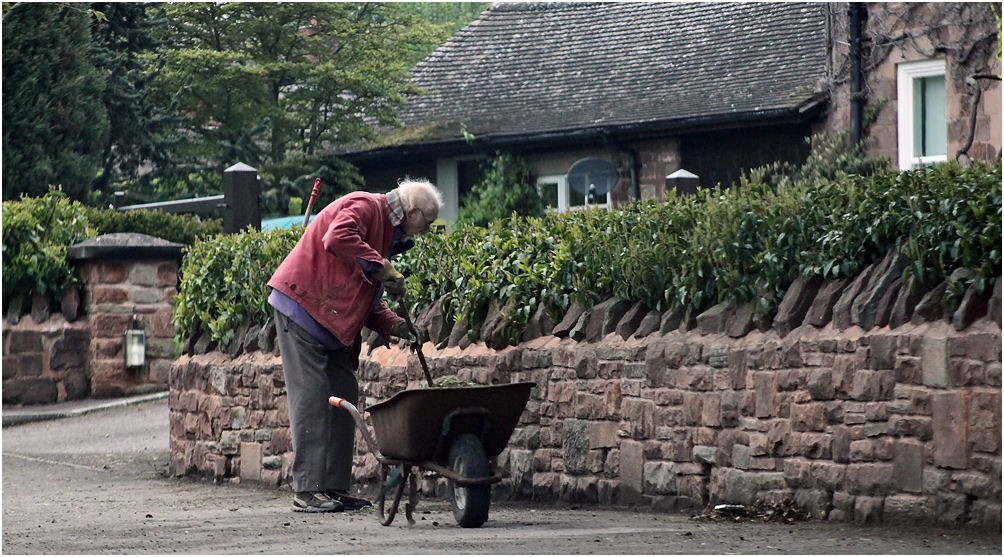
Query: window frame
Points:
[564, 194]
[906, 74]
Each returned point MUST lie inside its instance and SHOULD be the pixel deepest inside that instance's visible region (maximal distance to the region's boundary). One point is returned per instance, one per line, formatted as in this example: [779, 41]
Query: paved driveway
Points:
[92, 484]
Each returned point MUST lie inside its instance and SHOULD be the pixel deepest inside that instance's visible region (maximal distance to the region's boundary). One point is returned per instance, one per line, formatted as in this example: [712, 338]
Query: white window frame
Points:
[906, 73]
[564, 194]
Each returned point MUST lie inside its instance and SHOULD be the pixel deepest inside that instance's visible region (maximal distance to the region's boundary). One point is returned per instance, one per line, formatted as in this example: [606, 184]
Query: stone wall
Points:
[79, 353]
[899, 421]
[45, 362]
[112, 291]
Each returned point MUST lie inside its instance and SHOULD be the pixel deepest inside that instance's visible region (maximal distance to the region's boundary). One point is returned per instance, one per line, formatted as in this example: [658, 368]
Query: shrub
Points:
[506, 188]
[36, 233]
[181, 229]
[225, 281]
[741, 244]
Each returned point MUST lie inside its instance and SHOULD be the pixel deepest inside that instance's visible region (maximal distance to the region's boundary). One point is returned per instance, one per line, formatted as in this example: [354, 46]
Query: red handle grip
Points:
[313, 194]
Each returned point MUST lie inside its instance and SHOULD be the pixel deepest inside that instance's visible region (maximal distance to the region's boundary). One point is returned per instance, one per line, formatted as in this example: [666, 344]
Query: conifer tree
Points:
[54, 123]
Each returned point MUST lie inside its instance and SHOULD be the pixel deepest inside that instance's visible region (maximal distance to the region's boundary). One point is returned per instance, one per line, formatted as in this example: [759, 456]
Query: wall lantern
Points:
[135, 344]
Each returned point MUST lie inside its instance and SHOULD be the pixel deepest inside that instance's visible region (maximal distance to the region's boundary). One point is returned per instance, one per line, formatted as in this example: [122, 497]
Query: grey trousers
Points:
[323, 436]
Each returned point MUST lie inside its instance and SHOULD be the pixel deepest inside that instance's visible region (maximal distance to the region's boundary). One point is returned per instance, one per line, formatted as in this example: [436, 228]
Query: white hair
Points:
[420, 194]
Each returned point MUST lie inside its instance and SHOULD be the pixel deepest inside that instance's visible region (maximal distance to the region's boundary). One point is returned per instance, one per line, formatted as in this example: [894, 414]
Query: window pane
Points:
[935, 126]
[575, 199]
[929, 125]
[548, 194]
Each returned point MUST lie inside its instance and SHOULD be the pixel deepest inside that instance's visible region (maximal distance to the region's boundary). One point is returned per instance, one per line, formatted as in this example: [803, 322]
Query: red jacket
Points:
[322, 272]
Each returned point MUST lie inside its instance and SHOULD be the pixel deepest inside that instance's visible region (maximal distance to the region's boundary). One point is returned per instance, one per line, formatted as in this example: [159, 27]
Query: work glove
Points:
[393, 281]
[401, 331]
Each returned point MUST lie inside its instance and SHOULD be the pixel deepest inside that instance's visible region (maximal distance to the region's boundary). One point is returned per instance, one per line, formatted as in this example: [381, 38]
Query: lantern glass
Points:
[135, 347]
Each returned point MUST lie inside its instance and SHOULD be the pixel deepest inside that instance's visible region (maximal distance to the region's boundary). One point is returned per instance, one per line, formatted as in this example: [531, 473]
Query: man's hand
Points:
[401, 331]
[393, 281]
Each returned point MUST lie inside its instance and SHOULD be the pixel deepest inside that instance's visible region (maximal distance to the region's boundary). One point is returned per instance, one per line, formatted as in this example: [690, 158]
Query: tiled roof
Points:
[538, 68]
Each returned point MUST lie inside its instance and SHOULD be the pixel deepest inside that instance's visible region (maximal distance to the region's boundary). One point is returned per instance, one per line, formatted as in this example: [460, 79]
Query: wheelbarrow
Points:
[452, 432]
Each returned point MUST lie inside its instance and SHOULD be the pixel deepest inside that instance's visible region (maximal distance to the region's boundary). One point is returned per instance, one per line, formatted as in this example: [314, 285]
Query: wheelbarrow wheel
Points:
[470, 504]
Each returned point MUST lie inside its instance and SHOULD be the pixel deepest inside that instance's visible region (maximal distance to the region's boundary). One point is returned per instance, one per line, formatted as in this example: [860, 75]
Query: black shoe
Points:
[319, 502]
[351, 503]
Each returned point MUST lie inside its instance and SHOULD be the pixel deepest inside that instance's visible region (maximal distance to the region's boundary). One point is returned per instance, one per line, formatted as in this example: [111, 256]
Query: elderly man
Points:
[329, 286]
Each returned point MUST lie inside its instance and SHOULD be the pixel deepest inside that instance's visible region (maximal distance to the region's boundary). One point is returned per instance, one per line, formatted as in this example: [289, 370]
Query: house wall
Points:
[881, 82]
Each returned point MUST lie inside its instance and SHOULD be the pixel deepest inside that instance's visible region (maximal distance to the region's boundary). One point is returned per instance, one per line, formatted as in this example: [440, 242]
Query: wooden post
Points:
[241, 191]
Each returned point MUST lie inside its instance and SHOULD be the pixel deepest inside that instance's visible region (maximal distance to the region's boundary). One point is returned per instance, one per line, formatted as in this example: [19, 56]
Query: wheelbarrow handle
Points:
[354, 412]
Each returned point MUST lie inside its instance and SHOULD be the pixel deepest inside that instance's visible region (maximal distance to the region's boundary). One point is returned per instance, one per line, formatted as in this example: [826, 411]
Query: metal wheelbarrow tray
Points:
[453, 432]
[407, 425]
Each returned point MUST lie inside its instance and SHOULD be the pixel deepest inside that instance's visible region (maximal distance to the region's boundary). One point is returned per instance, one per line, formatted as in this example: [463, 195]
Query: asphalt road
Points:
[93, 484]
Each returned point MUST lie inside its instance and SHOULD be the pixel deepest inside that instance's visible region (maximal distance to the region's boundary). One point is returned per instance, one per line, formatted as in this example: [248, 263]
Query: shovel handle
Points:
[415, 345]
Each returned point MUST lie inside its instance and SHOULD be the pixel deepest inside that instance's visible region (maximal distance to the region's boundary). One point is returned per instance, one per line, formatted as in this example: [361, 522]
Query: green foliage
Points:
[447, 17]
[123, 47]
[225, 282]
[744, 244]
[36, 234]
[295, 206]
[507, 187]
[37, 231]
[181, 229]
[54, 123]
[270, 84]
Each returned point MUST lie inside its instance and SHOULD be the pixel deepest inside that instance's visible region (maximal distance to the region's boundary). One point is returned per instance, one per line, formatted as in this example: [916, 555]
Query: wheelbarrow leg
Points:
[412, 499]
[400, 480]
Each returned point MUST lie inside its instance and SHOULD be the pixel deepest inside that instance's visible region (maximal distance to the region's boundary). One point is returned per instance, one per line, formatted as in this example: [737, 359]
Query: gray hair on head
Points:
[420, 194]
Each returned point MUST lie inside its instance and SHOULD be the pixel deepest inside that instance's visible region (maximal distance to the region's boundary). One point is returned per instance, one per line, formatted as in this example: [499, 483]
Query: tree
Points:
[124, 52]
[449, 17]
[507, 187]
[273, 84]
[54, 123]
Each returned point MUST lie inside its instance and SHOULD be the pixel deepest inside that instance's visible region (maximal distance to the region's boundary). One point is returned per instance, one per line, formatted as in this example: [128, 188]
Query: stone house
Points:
[710, 88]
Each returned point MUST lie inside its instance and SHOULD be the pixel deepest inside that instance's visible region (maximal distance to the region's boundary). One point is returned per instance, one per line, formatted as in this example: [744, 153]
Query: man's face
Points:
[416, 221]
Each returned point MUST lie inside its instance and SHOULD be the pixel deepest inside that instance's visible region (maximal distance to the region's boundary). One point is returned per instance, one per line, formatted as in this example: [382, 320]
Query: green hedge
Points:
[36, 233]
[742, 244]
[38, 230]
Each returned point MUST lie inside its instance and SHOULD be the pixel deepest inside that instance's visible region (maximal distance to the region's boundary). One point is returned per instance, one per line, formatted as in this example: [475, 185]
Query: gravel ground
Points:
[93, 484]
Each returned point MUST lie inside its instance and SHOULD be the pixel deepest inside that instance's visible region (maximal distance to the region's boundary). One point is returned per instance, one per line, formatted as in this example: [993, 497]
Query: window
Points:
[558, 197]
[921, 112]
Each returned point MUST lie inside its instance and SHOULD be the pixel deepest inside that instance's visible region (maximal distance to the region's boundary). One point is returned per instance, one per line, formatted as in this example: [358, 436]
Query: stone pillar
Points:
[123, 273]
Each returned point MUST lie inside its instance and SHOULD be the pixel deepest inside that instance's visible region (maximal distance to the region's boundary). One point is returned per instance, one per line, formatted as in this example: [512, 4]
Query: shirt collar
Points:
[395, 209]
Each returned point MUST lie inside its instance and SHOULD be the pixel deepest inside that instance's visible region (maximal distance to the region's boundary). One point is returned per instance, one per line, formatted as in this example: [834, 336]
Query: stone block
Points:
[972, 307]
[842, 310]
[632, 470]
[885, 305]
[906, 510]
[931, 307]
[631, 320]
[539, 325]
[984, 432]
[706, 454]
[821, 311]
[143, 274]
[950, 421]
[740, 322]
[906, 302]
[712, 321]
[251, 465]
[603, 435]
[575, 445]
[865, 305]
[671, 320]
[741, 456]
[23, 341]
[649, 324]
[564, 327]
[659, 478]
[795, 304]
[908, 465]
